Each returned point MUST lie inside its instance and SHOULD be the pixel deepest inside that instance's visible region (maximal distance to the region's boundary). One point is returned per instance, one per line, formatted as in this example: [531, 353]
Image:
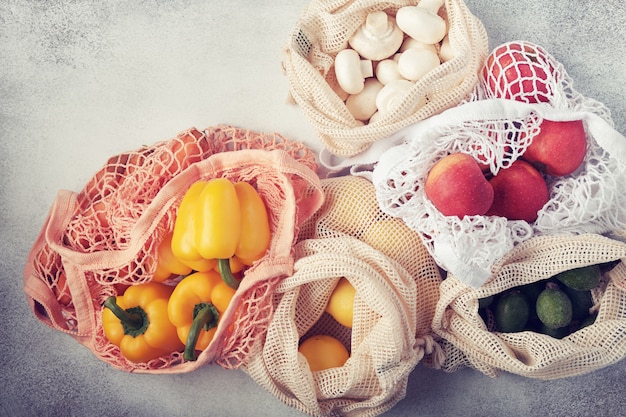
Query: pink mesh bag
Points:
[97, 242]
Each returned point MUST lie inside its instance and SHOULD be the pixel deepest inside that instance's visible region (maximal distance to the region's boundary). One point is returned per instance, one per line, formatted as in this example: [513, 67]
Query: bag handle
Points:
[64, 208]
[41, 295]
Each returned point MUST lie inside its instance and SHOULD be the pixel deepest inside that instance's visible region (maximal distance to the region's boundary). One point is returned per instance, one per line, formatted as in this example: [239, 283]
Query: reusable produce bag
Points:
[590, 200]
[469, 341]
[393, 309]
[350, 209]
[323, 30]
[99, 241]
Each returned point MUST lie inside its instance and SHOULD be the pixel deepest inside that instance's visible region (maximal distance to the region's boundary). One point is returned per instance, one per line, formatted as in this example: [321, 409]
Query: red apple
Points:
[519, 71]
[519, 192]
[457, 187]
[559, 148]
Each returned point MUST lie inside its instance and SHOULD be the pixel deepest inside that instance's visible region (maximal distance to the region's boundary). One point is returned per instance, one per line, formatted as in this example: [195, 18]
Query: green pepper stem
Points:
[223, 265]
[129, 320]
[205, 316]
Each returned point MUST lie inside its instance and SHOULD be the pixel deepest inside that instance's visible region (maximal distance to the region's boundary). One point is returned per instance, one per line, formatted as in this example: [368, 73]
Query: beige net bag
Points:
[99, 241]
[323, 30]
[472, 341]
[350, 209]
[393, 308]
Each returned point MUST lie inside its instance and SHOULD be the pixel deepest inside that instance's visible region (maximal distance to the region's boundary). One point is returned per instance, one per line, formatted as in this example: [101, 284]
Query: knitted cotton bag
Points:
[471, 341]
[323, 30]
[97, 242]
[396, 293]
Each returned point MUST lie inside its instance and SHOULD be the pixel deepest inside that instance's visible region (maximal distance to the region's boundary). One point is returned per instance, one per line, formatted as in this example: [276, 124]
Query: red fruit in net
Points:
[519, 71]
[559, 148]
[519, 192]
[457, 187]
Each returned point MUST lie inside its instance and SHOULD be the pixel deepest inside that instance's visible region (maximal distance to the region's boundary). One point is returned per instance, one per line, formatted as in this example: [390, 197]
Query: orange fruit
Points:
[323, 352]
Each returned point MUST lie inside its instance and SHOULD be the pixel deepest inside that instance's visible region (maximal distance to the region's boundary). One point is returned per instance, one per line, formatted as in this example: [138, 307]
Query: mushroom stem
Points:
[432, 6]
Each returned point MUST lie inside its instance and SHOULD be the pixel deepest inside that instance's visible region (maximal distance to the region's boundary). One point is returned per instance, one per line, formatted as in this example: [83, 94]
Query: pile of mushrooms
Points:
[387, 55]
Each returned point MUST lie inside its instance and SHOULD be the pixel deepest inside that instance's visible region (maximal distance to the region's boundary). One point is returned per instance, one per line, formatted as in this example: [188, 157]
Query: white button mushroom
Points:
[378, 38]
[410, 43]
[421, 24]
[363, 105]
[387, 71]
[414, 63]
[392, 94]
[334, 85]
[351, 71]
[446, 52]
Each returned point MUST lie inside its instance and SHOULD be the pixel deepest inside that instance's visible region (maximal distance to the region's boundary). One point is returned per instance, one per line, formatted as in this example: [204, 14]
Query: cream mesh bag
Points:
[323, 30]
[469, 341]
[591, 200]
[350, 210]
[99, 241]
[393, 309]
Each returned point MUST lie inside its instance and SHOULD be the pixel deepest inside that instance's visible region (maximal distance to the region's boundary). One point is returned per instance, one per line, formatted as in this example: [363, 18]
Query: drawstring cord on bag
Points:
[426, 345]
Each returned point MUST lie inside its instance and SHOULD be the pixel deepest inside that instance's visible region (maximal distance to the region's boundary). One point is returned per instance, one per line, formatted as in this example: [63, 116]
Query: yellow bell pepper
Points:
[221, 222]
[183, 237]
[254, 238]
[195, 308]
[167, 263]
[138, 323]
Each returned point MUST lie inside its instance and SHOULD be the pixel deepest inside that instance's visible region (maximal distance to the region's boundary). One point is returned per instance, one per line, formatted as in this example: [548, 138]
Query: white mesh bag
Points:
[591, 200]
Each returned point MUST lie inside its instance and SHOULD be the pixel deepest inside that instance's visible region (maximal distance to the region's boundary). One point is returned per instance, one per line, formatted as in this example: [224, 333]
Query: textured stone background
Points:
[83, 80]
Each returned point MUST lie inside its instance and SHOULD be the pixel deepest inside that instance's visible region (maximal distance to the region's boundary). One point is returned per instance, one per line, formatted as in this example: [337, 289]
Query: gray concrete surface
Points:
[83, 80]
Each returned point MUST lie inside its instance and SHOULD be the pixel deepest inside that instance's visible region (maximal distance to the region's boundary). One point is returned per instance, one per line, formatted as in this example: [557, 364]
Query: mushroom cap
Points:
[415, 63]
[387, 71]
[409, 43]
[378, 38]
[363, 105]
[391, 94]
[421, 25]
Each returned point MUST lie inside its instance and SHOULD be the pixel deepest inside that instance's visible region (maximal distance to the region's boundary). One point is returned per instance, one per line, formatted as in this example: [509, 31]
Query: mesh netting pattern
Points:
[497, 132]
[470, 342]
[381, 339]
[350, 209]
[538, 78]
[118, 194]
[397, 288]
[323, 30]
[97, 242]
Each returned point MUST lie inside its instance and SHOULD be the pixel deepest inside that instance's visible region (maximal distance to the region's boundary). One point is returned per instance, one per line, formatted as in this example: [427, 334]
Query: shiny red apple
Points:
[457, 186]
[559, 148]
[520, 191]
